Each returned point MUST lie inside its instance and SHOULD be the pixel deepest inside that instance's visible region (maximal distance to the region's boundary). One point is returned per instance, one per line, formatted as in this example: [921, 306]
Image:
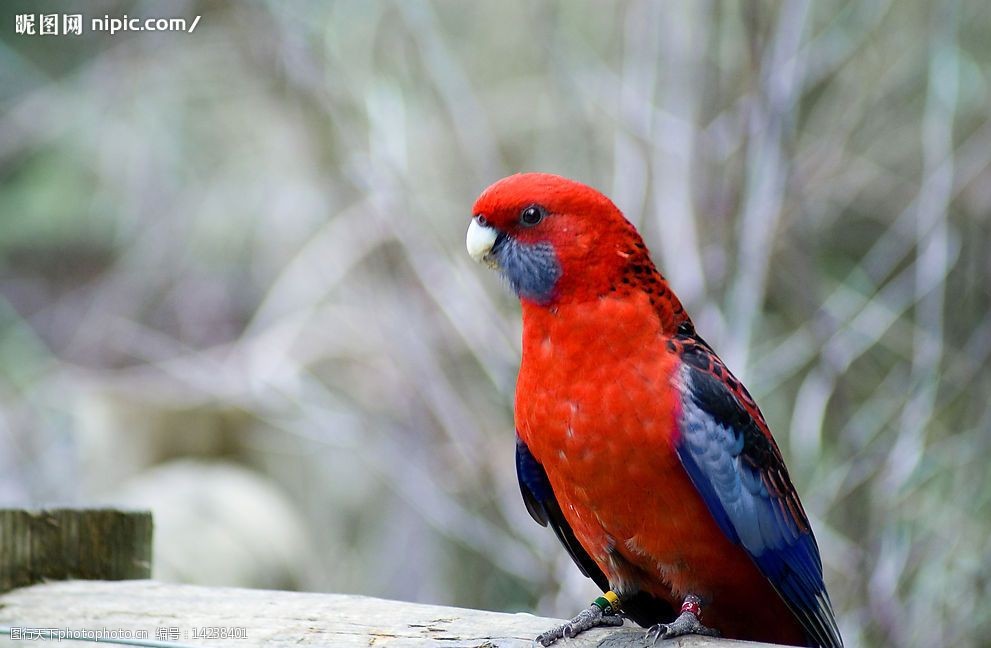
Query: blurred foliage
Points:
[246, 243]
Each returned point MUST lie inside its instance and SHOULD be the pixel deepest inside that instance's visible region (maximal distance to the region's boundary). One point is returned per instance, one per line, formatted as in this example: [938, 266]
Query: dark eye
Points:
[531, 215]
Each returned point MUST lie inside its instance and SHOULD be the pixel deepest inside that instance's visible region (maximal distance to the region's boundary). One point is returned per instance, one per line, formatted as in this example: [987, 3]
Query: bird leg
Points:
[602, 612]
[688, 622]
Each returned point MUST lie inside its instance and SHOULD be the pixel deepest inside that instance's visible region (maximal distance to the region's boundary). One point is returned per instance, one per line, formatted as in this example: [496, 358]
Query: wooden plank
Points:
[59, 544]
[253, 618]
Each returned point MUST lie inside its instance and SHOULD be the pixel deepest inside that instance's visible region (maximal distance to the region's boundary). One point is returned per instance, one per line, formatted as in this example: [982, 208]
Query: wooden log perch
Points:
[240, 618]
[60, 544]
[109, 546]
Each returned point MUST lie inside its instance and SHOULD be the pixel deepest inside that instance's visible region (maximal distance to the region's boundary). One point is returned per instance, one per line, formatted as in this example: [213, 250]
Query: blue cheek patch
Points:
[531, 270]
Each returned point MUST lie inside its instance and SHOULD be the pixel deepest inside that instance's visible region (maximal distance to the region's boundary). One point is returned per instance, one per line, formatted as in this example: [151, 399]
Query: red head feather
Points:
[598, 251]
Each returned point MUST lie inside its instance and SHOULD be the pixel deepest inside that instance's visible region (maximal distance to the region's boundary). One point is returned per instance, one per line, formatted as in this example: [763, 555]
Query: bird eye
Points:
[531, 215]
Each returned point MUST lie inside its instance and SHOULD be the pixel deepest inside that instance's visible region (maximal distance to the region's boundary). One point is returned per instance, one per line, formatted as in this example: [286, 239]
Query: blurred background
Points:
[233, 284]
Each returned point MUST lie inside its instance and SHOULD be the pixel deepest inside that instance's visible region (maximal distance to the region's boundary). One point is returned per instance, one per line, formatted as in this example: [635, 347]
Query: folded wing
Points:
[733, 461]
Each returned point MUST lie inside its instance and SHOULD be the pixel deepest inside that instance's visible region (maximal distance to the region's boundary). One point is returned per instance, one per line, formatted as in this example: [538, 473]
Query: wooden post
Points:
[63, 544]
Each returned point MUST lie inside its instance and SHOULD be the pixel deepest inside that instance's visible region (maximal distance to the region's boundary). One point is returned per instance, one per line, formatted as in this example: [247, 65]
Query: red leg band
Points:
[693, 606]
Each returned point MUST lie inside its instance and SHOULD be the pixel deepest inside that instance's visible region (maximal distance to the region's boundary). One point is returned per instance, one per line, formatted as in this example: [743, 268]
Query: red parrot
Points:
[635, 443]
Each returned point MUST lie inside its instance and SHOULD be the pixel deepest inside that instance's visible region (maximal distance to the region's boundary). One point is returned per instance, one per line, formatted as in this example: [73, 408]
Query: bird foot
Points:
[688, 622]
[590, 617]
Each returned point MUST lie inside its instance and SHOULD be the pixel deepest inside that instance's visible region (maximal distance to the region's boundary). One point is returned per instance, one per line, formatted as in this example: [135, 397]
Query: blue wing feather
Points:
[741, 476]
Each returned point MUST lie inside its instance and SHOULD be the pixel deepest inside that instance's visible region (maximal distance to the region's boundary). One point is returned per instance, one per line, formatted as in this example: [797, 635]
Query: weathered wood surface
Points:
[60, 544]
[268, 618]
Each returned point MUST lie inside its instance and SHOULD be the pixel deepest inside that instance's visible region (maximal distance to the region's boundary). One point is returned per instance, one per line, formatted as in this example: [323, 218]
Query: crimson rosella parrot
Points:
[635, 443]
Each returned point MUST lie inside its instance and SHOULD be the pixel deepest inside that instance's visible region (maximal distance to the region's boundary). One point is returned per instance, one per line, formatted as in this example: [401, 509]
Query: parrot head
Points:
[553, 239]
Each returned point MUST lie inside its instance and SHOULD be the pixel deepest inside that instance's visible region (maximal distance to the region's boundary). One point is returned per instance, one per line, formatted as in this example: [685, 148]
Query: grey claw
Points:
[588, 618]
[686, 623]
[549, 637]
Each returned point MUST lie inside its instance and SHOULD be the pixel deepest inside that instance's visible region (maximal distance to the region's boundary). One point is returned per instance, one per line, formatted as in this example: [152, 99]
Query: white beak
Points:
[480, 240]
